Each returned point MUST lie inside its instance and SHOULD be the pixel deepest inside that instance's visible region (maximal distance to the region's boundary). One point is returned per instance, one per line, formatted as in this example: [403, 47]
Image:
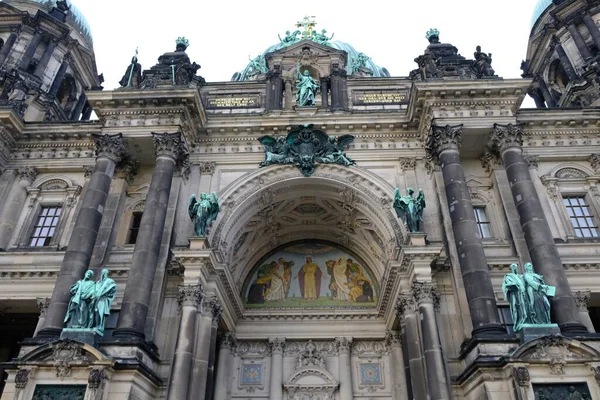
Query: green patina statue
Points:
[259, 65]
[410, 208]
[307, 88]
[90, 302]
[203, 212]
[527, 295]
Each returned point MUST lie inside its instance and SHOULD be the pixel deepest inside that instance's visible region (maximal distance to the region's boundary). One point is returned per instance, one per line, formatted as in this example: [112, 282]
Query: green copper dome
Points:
[539, 9]
[356, 60]
[75, 16]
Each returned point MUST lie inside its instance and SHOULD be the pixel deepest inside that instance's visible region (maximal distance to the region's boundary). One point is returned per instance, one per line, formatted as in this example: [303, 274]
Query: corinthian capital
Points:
[227, 341]
[443, 138]
[189, 295]
[277, 345]
[425, 292]
[110, 146]
[582, 298]
[506, 136]
[405, 304]
[211, 307]
[343, 344]
[170, 145]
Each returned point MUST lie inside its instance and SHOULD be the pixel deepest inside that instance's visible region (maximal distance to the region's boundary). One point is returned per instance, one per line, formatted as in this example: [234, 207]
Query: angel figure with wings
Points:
[410, 208]
[203, 212]
[334, 153]
[276, 150]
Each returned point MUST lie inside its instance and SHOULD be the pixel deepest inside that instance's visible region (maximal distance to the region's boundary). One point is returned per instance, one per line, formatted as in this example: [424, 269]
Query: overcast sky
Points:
[223, 34]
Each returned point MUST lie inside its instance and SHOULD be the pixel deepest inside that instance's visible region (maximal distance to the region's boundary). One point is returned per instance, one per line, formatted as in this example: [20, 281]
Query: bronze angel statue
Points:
[276, 150]
[203, 212]
[410, 208]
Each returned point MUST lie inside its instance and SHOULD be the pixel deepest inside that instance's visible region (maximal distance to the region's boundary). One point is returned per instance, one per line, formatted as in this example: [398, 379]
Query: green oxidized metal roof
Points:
[306, 31]
[75, 16]
[539, 9]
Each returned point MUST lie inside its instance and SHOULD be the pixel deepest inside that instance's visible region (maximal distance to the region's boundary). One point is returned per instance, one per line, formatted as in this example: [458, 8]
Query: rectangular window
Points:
[581, 218]
[45, 226]
[134, 226]
[483, 222]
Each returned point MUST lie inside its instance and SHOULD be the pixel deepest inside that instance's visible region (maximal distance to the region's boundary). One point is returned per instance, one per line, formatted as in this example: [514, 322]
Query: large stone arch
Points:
[270, 196]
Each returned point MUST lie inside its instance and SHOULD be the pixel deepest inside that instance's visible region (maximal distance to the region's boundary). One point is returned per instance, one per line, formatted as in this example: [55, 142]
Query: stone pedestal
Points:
[530, 332]
[87, 336]
[416, 239]
[198, 243]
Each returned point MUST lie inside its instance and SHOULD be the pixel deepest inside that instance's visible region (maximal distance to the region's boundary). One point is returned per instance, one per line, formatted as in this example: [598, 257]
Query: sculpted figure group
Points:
[203, 212]
[90, 302]
[527, 295]
[409, 208]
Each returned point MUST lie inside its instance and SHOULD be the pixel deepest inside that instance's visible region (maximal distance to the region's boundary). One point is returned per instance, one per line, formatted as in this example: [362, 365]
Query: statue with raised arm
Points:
[106, 290]
[410, 208]
[203, 212]
[483, 63]
[80, 312]
[514, 291]
[537, 293]
[307, 88]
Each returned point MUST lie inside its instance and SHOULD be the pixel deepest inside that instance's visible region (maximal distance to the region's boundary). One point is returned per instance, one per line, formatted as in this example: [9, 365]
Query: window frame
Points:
[130, 229]
[479, 223]
[592, 214]
[34, 224]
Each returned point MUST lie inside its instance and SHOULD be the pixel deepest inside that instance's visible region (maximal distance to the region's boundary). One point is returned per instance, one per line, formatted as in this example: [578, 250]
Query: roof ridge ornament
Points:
[433, 32]
[182, 42]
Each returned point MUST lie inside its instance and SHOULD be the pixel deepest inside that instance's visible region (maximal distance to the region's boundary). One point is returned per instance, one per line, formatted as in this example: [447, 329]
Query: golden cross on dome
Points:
[308, 24]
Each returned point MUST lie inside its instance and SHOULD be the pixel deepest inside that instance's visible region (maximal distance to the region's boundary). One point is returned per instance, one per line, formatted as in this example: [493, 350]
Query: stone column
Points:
[276, 387]
[274, 95]
[288, 95]
[170, 151]
[425, 295]
[537, 97]
[30, 50]
[394, 342]
[564, 59]
[78, 107]
[223, 385]
[344, 344]
[15, 202]
[210, 309]
[110, 150]
[212, 355]
[41, 67]
[592, 28]
[579, 42]
[548, 98]
[87, 112]
[43, 307]
[325, 93]
[406, 311]
[338, 89]
[443, 145]
[507, 140]
[582, 298]
[60, 76]
[189, 297]
[10, 42]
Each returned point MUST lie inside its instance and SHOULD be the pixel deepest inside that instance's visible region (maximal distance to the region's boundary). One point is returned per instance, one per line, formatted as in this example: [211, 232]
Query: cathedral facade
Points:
[312, 229]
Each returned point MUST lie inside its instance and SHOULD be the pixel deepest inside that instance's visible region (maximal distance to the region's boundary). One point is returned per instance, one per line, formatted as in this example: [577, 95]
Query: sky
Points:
[224, 34]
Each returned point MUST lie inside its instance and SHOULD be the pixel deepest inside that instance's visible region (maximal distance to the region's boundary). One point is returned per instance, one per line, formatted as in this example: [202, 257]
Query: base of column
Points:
[87, 336]
[573, 329]
[49, 333]
[530, 332]
[130, 334]
[489, 330]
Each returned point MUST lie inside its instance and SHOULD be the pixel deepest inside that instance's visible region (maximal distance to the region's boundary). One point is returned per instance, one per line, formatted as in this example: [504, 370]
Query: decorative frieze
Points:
[65, 353]
[110, 146]
[249, 349]
[442, 138]
[207, 167]
[375, 348]
[189, 295]
[407, 164]
[292, 349]
[27, 174]
[505, 136]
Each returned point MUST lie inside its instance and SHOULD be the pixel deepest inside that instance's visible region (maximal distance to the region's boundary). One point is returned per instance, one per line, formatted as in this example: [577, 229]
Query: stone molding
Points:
[368, 348]
[27, 174]
[443, 138]
[582, 298]
[110, 146]
[310, 356]
[277, 345]
[343, 344]
[506, 136]
[521, 376]
[407, 164]
[189, 295]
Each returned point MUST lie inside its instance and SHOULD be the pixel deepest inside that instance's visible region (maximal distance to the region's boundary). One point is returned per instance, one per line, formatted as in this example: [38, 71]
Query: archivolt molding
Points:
[261, 195]
[53, 182]
[571, 171]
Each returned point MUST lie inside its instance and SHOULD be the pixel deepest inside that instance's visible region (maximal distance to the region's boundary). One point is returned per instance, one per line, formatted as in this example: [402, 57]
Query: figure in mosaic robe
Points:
[106, 290]
[309, 278]
[277, 288]
[80, 312]
[340, 275]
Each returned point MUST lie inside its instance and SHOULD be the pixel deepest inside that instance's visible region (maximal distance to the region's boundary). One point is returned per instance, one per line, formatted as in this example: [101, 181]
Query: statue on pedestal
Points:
[80, 313]
[410, 208]
[307, 88]
[106, 290]
[203, 212]
[527, 295]
[483, 63]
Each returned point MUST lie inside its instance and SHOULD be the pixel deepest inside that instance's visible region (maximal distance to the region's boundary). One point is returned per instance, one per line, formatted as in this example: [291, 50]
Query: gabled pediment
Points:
[316, 48]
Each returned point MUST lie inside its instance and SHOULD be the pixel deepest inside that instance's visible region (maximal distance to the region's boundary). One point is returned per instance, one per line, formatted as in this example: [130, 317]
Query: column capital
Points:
[227, 341]
[343, 344]
[595, 161]
[110, 146]
[129, 168]
[207, 167]
[443, 138]
[506, 136]
[170, 145]
[43, 304]
[405, 304]
[490, 159]
[27, 174]
[582, 298]
[211, 307]
[532, 161]
[425, 292]
[393, 338]
[277, 345]
[189, 295]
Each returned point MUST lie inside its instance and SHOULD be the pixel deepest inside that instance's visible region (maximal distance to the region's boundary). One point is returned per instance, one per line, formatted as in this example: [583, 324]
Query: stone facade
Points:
[256, 309]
